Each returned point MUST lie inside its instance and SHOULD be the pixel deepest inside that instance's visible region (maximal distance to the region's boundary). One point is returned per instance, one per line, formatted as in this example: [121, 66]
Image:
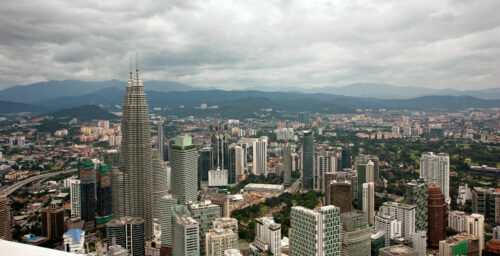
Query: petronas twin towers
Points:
[136, 154]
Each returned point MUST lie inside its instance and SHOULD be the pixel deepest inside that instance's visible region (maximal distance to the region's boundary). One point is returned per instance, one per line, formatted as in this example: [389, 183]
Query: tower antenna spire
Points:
[130, 66]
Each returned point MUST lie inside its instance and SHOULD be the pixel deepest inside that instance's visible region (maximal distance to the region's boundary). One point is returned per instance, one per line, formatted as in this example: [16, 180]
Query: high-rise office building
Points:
[369, 202]
[315, 232]
[267, 236]
[304, 117]
[260, 157]
[86, 175]
[364, 159]
[104, 201]
[184, 170]
[377, 241]
[185, 233]
[486, 201]
[325, 161]
[53, 222]
[166, 204]
[219, 138]
[128, 233]
[435, 169]
[205, 164]
[389, 225]
[355, 236]
[226, 223]
[308, 159]
[161, 139]
[204, 213]
[419, 242]
[437, 216]
[475, 224]
[5, 219]
[366, 174]
[287, 164]
[339, 193]
[220, 240]
[236, 164]
[416, 194]
[458, 221]
[74, 195]
[118, 192]
[160, 183]
[136, 152]
[346, 158]
[112, 158]
[404, 213]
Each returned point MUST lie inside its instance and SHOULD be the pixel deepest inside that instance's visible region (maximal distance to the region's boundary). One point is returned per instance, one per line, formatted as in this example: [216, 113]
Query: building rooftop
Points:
[398, 250]
[75, 234]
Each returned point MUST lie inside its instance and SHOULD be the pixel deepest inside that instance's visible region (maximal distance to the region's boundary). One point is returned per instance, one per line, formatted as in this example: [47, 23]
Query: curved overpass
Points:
[12, 188]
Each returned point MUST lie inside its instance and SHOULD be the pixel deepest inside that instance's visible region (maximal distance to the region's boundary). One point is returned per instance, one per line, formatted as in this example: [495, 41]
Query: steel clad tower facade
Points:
[136, 154]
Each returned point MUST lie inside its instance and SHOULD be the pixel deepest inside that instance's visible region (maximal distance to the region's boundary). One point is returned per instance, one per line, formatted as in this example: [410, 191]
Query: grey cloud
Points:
[242, 44]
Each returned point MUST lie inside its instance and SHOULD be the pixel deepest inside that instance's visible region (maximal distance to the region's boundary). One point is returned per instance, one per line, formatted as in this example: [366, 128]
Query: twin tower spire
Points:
[137, 78]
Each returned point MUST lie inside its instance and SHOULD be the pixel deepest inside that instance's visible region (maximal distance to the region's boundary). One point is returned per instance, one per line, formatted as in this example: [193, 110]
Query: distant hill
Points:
[45, 91]
[7, 107]
[84, 113]
[387, 91]
[233, 102]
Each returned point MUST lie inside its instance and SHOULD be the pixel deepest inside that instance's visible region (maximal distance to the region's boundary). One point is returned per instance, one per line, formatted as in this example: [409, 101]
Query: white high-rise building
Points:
[74, 194]
[419, 242]
[369, 202]
[475, 225]
[405, 213]
[217, 178]
[435, 169]
[260, 157]
[315, 232]
[390, 225]
[458, 221]
[268, 235]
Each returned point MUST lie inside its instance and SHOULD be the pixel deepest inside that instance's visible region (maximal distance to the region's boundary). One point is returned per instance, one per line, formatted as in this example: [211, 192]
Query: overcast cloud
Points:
[243, 44]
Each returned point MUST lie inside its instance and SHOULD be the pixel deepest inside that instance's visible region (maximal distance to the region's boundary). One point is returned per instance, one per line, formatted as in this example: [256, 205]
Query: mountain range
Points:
[44, 91]
[50, 97]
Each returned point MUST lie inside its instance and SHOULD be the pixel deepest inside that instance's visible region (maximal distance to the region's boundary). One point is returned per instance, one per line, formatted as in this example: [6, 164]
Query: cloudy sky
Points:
[245, 44]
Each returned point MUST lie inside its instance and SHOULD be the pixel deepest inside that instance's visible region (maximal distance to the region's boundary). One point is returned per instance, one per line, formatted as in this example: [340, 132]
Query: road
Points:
[12, 188]
[294, 188]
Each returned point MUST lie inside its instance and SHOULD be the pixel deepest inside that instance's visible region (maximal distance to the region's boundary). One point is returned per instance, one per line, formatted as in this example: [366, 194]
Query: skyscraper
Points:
[346, 158]
[185, 233]
[184, 170]
[205, 164]
[366, 174]
[53, 222]
[356, 237]
[87, 176]
[220, 240]
[287, 164]
[219, 139]
[136, 154]
[389, 225]
[104, 201]
[5, 220]
[267, 236]
[338, 193]
[204, 214]
[437, 216]
[118, 193]
[416, 194]
[74, 195]
[166, 204]
[308, 158]
[369, 201]
[112, 158]
[161, 139]
[315, 232]
[235, 167]
[475, 224]
[435, 169]
[160, 186]
[260, 157]
[128, 233]
[404, 213]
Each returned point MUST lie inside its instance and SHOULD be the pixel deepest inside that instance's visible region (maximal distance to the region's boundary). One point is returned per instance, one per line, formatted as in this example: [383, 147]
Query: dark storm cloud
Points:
[237, 44]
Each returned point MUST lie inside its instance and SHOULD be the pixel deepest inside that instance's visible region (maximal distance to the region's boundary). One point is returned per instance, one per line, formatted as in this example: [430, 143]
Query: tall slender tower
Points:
[287, 162]
[184, 170]
[308, 156]
[161, 139]
[136, 154]
[437, 216]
